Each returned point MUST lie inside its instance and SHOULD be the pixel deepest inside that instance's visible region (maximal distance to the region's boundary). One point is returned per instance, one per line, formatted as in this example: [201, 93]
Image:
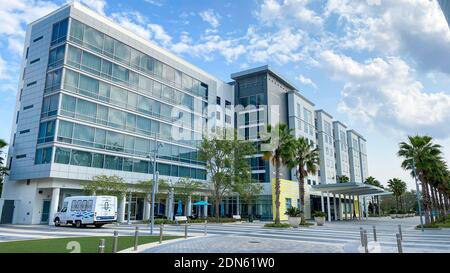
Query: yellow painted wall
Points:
[288, 189]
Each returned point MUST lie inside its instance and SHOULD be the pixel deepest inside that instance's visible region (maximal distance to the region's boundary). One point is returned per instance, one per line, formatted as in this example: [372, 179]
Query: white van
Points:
[87, 210]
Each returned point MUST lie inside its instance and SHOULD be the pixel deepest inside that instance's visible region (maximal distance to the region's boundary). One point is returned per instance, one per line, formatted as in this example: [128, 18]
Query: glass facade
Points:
[113, 100]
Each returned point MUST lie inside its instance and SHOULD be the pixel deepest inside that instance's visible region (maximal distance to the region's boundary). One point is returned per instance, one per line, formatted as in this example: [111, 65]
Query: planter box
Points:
[319, 220]
[294, 221]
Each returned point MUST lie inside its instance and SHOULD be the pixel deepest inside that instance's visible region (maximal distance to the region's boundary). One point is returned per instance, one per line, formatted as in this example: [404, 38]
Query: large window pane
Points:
[142, 146]
[91, 63]
[83, 135]
[81, 158]
[114, 141]
[74, 56]
[117, 118]
[140, 166]
[93, 39]
[143, 125]
[86, 110]
[122, 52]
[98, 160]
[89, 86]
[102, 114]
[120, 73]
[71, 79]
[113, 162]
[76, 31]
[62, 155]
[118, 96]
[100, 138]
[108, 46]
[68, 105]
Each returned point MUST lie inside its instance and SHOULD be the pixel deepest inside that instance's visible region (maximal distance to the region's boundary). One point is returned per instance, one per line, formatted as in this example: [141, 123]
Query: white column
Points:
[129, 208]
[352, 204]
[121, 210]
[328, 207]
[334, 207]
[205, 208]
[171, 203]
[54, 205]
[147, 206]
[340, 207]
[188, 206]
[321, 202]
[365, 208]
[238, 205]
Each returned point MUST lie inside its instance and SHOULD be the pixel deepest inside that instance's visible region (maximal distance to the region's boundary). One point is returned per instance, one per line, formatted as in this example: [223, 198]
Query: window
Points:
[49, 106]
[83, 205]
[89, 205]
[83, 135]
[93, 39]
[86, 110]
[227, 104]
[218, 100]
[91, 63]
[81, 158]
[43, 155]
[53, 80]
[59, 32]
[288, 203]
[38, 38]
[31, 83]
[68, 104]
[113, 162]
[21, 156]
[28, 107]
[89, 86]
[62, 155]
[218, 115]
[122, 52]
[74, 206]
[35, 61]
[46, 131]
[74, 56]
[76, 31]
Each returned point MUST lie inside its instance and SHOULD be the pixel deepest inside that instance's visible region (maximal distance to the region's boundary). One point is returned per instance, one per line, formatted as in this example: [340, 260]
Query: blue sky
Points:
[379, 66]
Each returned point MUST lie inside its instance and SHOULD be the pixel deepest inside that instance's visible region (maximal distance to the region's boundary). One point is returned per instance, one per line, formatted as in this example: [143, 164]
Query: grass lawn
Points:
[87, 244]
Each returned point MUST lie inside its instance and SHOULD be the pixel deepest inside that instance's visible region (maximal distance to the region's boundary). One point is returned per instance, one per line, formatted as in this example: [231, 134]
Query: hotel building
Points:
[95, 99]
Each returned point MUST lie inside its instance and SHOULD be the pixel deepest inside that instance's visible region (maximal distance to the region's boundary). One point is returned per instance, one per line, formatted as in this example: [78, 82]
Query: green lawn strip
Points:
[88, 244]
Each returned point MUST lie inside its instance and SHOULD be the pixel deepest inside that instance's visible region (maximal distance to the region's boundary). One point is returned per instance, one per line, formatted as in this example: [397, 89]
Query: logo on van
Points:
[106, 206]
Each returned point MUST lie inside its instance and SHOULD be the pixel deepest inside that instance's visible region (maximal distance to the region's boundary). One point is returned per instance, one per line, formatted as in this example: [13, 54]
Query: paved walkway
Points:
[253, 237]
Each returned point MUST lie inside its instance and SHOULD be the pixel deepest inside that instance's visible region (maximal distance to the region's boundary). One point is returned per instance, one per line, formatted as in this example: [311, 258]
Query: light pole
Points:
[417, 193]
[154, 184]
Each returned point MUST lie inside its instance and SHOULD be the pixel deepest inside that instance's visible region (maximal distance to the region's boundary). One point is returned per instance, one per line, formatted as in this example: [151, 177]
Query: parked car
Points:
[87, 210]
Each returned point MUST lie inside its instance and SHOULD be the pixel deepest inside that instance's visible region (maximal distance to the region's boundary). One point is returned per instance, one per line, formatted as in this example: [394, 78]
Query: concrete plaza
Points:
[339, 236]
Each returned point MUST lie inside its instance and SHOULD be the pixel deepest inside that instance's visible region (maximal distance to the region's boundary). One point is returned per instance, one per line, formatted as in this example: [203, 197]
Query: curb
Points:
[155, 244]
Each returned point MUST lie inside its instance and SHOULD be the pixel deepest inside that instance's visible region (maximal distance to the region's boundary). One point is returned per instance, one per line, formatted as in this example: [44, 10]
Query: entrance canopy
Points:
[350, 188]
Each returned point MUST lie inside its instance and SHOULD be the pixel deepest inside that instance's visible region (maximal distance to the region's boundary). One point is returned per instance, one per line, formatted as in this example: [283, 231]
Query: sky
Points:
[379, 66]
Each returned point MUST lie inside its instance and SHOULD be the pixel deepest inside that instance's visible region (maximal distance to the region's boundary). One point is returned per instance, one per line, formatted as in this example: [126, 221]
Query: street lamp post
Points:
[417, 194]
[154, 184]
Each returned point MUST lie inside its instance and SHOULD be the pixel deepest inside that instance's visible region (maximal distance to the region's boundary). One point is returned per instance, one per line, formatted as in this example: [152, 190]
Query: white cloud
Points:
[97, 5]
[413, 28]
[154, 2]
[383, 92]
[210, 17]
[139, 24]
[306, 81]
[288, 12]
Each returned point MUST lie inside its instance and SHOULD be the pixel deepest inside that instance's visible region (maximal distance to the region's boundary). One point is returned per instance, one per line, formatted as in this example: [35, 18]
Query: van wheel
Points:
[78, 224]
[57, 222]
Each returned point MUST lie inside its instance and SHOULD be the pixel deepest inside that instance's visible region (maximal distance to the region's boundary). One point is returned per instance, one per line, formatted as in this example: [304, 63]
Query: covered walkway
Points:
[349, 200]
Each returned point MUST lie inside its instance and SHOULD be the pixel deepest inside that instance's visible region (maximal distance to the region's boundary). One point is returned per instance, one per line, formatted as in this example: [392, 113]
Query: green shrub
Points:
[392, 211]
[318, 213]
[293, 212]
[280, 225]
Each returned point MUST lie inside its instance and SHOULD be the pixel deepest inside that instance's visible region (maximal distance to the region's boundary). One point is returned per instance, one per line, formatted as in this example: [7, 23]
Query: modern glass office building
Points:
[95, 99]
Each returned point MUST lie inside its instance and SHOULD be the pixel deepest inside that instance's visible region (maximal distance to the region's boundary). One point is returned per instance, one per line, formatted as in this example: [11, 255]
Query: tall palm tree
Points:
[305, 159]
[278, 151]
[398, 188]
[420, 152]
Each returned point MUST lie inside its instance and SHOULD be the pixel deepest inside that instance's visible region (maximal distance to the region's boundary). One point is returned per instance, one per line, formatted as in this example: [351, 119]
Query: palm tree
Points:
[278, 151]
[420, 152]
[374, 182]
[343, 179]
[305, 159]
[398, 188]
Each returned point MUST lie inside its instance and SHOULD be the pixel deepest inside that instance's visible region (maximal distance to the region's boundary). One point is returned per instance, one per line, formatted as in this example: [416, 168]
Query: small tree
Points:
[226, 163]
[106, 185]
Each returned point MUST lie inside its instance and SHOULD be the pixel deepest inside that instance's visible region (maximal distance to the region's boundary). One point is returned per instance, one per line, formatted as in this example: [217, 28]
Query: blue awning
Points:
[201, 203]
